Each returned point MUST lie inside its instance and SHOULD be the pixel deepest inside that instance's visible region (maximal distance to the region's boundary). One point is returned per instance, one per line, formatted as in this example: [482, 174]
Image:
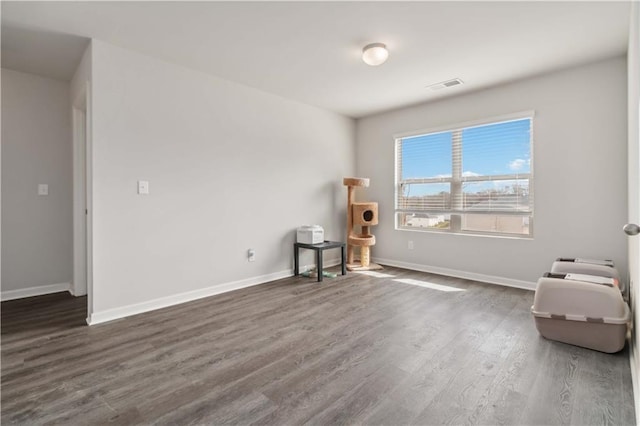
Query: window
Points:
[467, 179]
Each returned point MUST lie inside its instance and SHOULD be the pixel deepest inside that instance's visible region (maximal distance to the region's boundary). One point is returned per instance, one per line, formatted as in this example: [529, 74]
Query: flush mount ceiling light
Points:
[375, 54]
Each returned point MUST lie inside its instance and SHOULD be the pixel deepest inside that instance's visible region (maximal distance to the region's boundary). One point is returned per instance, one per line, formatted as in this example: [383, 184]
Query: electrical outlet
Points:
[143, 187]
[251, 255]
[410, 245]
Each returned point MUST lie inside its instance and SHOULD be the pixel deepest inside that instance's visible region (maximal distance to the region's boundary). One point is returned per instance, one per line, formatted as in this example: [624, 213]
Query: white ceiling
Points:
[310, 51]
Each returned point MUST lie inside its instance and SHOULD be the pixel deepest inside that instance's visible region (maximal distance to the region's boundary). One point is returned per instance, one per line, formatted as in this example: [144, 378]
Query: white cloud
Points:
[517, 164]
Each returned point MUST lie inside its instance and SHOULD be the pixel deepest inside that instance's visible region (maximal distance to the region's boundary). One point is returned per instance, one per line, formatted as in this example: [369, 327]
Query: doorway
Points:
[81, 113]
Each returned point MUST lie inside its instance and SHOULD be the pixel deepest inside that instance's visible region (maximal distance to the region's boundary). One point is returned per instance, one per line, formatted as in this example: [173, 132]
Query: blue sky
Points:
[495, 149]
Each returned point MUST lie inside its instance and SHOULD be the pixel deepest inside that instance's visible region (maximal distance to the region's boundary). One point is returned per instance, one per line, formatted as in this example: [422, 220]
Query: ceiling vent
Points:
[445, 84]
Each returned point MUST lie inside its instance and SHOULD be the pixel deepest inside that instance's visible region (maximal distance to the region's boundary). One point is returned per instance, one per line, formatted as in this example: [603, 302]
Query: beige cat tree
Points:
[363, 215]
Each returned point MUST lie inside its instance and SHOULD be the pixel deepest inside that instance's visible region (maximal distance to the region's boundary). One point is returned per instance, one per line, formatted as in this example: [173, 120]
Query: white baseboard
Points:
[491, 279]
[73, 292]
[34, 291]
[176, 299]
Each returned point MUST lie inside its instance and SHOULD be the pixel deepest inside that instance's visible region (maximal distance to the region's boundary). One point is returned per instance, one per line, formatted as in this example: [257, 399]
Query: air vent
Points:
[445, 84]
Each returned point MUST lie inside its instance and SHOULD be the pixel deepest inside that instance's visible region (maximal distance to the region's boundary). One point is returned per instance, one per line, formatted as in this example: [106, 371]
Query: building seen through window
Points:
[474, 179]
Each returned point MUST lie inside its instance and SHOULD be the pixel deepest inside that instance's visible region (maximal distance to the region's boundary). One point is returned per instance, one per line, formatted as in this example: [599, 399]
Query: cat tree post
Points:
[363, 215]
[350, 195]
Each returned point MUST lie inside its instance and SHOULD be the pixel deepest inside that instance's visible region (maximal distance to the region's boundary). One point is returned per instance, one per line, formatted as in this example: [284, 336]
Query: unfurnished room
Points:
[332, 212]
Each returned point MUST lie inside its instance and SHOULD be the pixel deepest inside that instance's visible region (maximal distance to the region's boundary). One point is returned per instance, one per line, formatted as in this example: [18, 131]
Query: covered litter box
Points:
[601, 268]
[571, 309]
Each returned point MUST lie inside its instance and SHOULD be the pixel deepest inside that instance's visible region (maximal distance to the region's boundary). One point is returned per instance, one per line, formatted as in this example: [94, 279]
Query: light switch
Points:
[143, 187]
[43, 189]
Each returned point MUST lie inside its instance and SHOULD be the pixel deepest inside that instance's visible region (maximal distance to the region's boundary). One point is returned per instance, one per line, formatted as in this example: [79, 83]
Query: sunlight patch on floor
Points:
[427, 284]
[375, 274]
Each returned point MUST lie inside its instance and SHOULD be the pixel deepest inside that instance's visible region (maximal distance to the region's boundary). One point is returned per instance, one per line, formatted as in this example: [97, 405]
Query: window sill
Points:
[468, 233]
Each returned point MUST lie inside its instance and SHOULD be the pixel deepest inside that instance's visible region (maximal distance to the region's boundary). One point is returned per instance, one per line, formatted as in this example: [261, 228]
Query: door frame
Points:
[82, 198]
[633, 88]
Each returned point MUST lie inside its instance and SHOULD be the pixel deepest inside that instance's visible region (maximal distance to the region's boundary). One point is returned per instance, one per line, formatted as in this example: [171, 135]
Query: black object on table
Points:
[319, 248]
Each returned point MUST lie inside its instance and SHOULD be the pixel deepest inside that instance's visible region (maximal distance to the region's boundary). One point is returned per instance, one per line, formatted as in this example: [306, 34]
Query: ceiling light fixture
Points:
[375, 54]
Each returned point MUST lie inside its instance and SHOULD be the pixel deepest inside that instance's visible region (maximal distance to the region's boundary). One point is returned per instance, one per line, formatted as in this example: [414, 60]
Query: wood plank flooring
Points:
[356, 349]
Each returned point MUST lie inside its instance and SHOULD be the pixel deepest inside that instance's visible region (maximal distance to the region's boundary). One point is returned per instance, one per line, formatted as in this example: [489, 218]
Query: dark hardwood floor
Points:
[350, 350]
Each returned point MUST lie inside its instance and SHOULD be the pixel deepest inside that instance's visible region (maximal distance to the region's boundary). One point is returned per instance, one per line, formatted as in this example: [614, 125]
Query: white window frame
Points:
[456, 180]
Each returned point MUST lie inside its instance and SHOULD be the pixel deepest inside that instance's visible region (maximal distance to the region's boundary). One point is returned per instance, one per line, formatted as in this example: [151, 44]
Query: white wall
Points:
[230, 168]
[36, 148]
[80, 78]
[580, 167]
